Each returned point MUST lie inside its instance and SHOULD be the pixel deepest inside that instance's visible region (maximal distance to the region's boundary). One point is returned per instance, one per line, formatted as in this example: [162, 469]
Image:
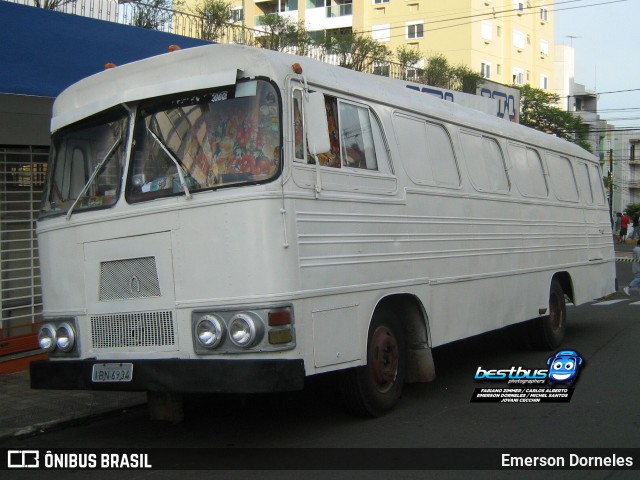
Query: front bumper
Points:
[174, 375]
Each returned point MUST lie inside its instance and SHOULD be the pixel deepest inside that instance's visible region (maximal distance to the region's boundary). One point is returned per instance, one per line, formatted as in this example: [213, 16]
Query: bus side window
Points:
[358, 149]
[528, 171]
[485, 162]
[596, 184]
[331, 159]
[298, 126]
[427, 152]
[562, 178]
[585, 184]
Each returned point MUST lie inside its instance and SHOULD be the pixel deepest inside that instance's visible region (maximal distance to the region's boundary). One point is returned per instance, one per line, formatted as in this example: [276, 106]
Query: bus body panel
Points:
[331, 245]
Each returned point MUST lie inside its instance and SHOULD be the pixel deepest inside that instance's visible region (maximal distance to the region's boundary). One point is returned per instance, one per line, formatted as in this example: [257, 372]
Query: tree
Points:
[282, 33]
[51, 4]
[215, 15]
[151, 14]
[537, 111]
[408, 58]
[357, 51]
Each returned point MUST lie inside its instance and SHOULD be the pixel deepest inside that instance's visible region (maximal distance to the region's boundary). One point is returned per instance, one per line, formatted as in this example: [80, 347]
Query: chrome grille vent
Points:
[144, 329]
[130, 278]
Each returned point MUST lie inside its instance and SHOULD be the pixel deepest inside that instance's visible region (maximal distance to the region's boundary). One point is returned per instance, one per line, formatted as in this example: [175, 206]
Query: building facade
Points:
[508, 41]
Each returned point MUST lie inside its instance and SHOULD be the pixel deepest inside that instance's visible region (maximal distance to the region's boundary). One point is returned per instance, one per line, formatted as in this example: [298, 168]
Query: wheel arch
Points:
[566, 282]
[415, 325]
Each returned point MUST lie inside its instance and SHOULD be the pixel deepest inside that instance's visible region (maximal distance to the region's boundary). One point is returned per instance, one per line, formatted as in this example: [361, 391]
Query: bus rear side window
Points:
[485, 163]
[562, 178]
[427, 152]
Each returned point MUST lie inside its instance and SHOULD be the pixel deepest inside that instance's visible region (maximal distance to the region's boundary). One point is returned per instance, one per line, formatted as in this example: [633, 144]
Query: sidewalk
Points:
[24, 411]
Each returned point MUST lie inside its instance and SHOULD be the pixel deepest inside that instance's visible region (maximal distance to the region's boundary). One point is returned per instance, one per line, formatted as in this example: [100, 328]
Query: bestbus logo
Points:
[521, 374]
[522, 381]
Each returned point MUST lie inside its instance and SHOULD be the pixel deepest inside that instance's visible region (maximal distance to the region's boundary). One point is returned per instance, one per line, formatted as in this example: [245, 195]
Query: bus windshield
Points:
[86, 164]
[203, 140]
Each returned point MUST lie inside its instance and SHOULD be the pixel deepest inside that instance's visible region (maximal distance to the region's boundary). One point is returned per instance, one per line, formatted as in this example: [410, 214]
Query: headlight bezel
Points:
[59, 329]
[260, 327]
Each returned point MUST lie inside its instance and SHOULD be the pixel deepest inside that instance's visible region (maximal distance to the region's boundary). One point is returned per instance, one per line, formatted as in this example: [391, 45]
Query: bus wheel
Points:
[375, 388]
[548, 332]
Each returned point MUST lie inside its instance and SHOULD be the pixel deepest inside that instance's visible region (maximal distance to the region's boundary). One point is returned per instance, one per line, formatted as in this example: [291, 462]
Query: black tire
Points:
[374, 389]
[547, 333]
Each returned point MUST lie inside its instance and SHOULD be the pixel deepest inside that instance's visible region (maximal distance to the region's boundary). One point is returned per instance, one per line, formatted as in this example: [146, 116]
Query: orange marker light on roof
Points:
[109, 65]
[297, 68]
[173, 48]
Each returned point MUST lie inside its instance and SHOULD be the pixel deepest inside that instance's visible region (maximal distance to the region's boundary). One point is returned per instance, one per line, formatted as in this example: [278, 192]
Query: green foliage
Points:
[215, 15]
[632, 209]
[408, 58]
[537, 111]
[357, 51]
[282, 33]
[51, 4]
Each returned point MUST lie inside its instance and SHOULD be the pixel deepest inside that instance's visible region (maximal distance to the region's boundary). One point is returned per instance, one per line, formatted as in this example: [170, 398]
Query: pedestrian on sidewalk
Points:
[636, 227]
[624, 225]
[616, 227]
[635, 269]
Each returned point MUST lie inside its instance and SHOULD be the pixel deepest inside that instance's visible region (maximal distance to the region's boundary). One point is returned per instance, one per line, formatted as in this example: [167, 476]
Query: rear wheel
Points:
[548, 332]
[375, 388]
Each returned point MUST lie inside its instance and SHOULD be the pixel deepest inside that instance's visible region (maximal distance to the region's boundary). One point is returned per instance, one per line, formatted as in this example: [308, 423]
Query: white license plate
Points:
[112, 372]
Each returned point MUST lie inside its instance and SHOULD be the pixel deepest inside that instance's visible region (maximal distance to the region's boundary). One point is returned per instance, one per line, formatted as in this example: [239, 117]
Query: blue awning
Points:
[43, 52]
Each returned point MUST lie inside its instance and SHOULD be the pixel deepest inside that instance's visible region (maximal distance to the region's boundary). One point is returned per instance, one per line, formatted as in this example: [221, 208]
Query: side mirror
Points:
[315, 122]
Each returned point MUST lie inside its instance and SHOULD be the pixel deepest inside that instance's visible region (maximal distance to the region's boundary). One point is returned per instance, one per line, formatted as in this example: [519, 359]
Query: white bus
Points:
[231, 219]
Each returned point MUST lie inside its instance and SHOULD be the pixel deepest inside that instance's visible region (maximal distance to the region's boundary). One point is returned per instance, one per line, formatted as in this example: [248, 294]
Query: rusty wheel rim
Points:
[384, 358]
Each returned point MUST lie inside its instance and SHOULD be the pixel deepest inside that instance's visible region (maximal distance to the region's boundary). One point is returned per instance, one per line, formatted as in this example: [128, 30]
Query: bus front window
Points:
[86, 164]
[217, 139]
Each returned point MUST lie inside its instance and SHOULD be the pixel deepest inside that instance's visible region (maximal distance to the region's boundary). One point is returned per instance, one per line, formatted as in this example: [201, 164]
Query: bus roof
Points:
[218, 65]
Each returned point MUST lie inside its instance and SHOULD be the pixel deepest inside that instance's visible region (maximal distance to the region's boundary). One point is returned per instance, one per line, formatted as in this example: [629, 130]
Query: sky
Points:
[606, 37]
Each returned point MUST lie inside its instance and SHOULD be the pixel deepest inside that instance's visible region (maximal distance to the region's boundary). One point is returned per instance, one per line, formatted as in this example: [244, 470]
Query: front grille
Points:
[126, 330]
[130, 278]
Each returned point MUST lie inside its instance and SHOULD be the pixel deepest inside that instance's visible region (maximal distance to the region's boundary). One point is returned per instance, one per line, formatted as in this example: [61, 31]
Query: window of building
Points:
[519, 39]
[544, 14]
[378, 2]
[544, 82]
[415, 30]
[487, 30]
[237, 14]
[381, 33]
[544, 47]
[518, 76]
[485, 69]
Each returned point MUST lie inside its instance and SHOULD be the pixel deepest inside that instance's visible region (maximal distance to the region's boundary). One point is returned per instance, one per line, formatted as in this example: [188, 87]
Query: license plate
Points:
[112, 372]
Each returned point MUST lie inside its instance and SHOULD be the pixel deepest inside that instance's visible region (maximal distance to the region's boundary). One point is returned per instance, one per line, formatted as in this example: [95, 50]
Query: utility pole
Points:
[611, 185]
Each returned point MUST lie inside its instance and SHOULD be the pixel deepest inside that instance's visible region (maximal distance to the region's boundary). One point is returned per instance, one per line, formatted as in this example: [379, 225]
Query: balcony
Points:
[291, 14]
[327, 18]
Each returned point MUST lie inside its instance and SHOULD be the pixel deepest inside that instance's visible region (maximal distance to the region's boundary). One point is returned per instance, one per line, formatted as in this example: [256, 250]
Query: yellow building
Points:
[508, 41]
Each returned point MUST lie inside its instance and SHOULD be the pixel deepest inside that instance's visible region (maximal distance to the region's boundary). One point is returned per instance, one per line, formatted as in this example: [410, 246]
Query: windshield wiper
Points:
[175, 161]
[93, 176]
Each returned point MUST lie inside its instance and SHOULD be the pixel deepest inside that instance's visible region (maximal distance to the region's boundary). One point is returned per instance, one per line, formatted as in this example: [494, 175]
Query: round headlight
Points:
[210, 331]
[66, 337]
[47, 337]
[245, 330]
